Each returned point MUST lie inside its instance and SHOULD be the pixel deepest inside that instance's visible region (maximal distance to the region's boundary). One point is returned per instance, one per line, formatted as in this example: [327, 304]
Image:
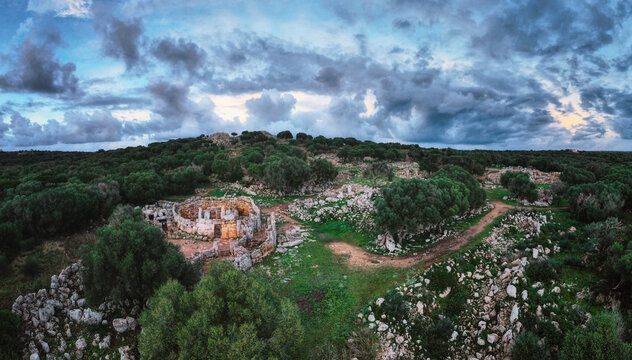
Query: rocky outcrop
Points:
[53, 315]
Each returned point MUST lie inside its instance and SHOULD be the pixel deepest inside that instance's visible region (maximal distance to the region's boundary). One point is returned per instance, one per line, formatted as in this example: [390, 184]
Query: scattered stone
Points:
[511, 291]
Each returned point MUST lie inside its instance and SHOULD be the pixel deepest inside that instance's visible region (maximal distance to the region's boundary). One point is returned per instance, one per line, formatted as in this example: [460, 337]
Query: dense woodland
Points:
[48, 194]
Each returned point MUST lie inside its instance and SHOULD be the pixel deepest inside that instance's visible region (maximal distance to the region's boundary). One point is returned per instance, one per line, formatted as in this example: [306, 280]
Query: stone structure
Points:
[223, 218]
[234, 224]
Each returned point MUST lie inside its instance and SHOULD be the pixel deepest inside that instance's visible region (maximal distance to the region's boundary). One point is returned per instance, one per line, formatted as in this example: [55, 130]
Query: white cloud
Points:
[62, 8]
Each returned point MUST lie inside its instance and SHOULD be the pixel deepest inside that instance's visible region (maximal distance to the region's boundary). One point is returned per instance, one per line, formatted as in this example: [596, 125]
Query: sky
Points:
[85, 75]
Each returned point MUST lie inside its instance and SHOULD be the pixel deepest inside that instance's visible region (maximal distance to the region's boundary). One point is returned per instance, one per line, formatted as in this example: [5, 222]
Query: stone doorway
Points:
[217, 230]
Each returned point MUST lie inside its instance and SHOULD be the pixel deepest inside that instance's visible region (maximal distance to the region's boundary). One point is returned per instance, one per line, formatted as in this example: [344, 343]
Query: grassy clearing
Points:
[46, 259]
[327, 291]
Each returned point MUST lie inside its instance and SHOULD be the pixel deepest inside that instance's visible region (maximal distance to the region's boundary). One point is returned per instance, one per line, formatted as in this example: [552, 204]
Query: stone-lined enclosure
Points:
[232, 225]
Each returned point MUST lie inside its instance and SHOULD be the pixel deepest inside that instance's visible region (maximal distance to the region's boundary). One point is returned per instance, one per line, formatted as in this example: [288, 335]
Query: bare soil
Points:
[358, 257]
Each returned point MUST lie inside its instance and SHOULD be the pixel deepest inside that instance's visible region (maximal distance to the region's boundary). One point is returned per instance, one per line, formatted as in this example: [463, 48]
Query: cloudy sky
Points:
[532, 74]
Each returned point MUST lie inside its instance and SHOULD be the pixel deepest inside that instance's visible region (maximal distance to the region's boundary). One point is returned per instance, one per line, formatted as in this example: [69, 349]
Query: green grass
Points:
[342, 231]
[314, 271]
[499, 193]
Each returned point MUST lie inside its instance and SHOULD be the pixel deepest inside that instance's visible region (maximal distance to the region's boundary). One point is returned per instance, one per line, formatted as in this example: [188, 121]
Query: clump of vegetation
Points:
[596, 201]
[399, 208]
[543, 270]
[130, 260]
[228, 315]
[10, 345]
[600, 340]
[433, 334]
[322, 170]
[527, 347]
[519, 184]
[379, 170]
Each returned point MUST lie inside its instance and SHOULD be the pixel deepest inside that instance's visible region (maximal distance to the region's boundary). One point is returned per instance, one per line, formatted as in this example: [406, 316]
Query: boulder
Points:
[511, 291]
[514, 313]
[81, 344]
[120, 325]
[492, 338]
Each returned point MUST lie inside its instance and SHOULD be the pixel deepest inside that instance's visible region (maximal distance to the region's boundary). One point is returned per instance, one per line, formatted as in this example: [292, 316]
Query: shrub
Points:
[527, 347]
[411, 204]
[130, 260]
[394, 306]
[10, 346]
[477, 195]
[285, 135]
[596, 201]
[600, 340]
[379, 169]
[519, 184]
[543, 270]
[228, 315]
[322, 170]
[433, 335]
[285, 173]
[32, 265]
[143, 187]
[573, 176]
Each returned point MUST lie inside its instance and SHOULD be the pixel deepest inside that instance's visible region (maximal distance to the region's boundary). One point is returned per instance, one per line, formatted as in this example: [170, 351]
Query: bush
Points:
[323, 171]
[285, 173]
[574, 176]
[596, 201]
[394, 306]
[379, 169]
[285, 135]
[433, 335]
[10, 346]
[600, 340]
[142, 187]
[477, 195]
[411, 204]
[228, 315]
[527, 347]
[130, 260]
[519, 184]
[543, 270]
[32, 266]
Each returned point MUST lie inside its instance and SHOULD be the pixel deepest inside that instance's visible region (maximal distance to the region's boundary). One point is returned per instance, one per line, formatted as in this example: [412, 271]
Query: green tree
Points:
[131, 259]
[285, 173]
[322, 170]
[285, 135]
[476, 195]
[573, 176]
[143, 187]
[228, 315]
[519, 184]
[600, 340]
[596, 201]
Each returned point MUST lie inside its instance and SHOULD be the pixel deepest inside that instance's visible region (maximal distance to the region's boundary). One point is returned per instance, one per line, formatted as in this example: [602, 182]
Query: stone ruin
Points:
[492, 176]
[233, 225]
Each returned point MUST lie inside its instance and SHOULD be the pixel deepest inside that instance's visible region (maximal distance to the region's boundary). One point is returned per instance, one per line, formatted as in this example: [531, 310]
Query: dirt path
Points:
[358, 257]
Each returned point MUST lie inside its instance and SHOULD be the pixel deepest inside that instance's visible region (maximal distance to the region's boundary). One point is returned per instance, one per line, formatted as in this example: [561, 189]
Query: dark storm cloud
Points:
[615, 103]
[329, 77]
[173, 110]
[34, 67]
[77, 128]
[111, 101]
[121, 39]
[181, 55]
[543, 27]
[421, 105]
